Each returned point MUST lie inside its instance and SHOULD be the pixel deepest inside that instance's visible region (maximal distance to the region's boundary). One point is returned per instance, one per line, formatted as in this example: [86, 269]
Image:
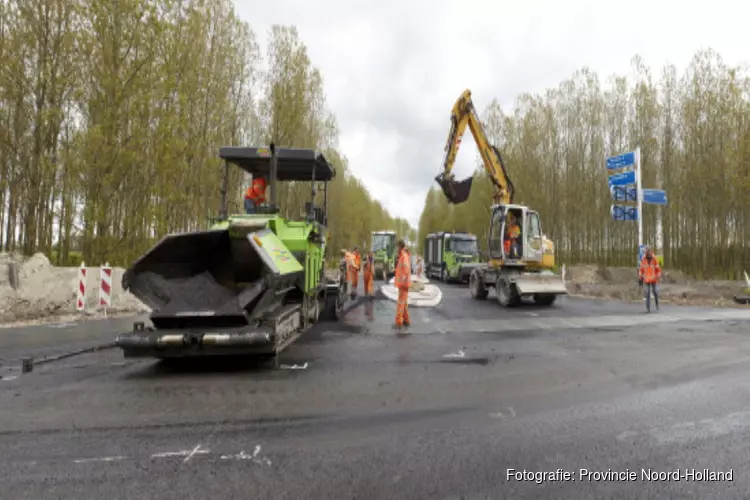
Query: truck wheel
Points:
[477, 288]
[314, 312]
[333, 306]
[544, 299]
[507, 294]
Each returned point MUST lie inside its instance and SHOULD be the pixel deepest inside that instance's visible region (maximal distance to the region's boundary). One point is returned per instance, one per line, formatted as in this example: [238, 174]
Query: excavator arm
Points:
[464, 114]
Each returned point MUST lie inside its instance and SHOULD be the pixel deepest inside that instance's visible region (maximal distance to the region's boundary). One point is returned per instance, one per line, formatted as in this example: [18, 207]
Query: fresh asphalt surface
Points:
[354, 411]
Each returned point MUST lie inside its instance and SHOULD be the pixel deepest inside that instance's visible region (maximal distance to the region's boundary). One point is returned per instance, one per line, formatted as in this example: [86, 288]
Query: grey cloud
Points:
[419, 56]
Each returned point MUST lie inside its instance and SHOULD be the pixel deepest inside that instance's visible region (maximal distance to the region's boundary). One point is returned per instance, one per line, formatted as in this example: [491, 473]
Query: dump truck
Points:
[451, 256]
[383, 245]
[251, 284]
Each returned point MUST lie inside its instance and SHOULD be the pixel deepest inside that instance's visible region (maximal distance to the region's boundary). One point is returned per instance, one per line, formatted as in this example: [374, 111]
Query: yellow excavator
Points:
[518, 267]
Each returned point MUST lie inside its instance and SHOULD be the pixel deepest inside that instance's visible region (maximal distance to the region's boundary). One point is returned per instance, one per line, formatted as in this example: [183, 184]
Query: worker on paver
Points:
[368, 273]
[402, 281]
[355, 265]
[649, 274]
[255, 194]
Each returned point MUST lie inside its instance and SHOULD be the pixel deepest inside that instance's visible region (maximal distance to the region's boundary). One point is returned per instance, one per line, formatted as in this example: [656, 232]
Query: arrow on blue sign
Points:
[654, 196]
[621, 161]
[623, 212]
[622, 179]
[622, 193]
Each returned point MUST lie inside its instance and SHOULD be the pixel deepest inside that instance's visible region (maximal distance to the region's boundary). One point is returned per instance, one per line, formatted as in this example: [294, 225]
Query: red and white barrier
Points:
[81, 288]
[105, 286]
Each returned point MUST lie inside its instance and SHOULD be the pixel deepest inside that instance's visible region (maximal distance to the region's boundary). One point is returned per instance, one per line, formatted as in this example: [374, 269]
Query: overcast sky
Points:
[393, 69]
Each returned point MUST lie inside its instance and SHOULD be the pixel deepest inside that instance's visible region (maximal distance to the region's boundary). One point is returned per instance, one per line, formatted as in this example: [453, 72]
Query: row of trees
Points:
[112, 114]
[694, 134]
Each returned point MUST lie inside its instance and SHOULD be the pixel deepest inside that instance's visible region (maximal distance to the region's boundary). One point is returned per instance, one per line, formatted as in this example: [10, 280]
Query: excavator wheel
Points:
[507, 294]
[476, 287]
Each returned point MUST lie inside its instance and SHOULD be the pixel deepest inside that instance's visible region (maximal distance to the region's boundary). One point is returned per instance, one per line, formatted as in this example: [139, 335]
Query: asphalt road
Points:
[354, 411]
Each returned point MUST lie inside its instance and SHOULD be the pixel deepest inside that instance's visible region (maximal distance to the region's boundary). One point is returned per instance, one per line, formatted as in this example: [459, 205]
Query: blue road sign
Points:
[622, 179]
[623, 212]
[622, 193]
[654, 196]
[621, 161]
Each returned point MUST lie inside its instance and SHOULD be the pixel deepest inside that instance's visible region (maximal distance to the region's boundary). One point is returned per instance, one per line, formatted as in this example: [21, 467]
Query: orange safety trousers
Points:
[354, 277]
[368, 281]
[402, 307]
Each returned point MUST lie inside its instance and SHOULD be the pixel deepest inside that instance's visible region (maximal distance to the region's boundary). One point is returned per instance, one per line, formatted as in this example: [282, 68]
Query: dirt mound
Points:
[49, 291]
[621, 283]
[600, 274]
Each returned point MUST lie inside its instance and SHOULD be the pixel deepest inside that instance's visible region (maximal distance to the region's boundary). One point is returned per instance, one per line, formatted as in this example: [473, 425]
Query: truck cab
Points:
[451, 256]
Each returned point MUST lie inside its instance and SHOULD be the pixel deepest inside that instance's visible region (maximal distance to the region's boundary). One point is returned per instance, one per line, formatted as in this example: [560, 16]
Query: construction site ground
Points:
[621, 283]
[354, 409]
[48, 293]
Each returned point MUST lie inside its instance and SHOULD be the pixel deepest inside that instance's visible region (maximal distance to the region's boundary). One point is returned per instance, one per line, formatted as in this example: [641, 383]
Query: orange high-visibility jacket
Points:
[369, 267]
[356, 262]
[650, 272]
[257, 191]
[403, 270]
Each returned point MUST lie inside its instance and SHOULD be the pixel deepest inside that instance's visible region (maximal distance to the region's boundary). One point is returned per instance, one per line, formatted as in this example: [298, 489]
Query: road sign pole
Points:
[639, 194]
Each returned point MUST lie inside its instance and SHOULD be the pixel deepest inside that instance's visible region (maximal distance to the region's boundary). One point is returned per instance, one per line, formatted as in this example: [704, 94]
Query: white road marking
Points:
[498, 414]
[99, 459]
[459, 354]
[244, 456]
[8, 379]
[294, 367]
[192, 453]
[188, 454]
[61, 325]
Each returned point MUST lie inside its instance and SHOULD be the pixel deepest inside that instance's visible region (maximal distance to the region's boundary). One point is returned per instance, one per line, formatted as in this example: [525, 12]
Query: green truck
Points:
[251, 284]
[383, 245]
[450, 256]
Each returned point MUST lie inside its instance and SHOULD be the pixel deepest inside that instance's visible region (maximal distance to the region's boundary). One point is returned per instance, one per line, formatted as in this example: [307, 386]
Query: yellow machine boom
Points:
[464, 114]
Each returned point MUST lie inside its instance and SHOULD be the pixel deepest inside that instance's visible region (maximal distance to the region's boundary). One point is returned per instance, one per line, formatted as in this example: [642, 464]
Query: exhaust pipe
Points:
[455, 191]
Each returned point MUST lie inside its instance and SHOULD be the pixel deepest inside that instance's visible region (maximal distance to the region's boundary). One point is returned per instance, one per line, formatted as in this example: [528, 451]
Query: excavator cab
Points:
[455, 191]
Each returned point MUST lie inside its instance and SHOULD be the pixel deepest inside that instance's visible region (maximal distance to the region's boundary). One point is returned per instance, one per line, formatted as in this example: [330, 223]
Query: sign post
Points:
[620, 187]
[639, 192]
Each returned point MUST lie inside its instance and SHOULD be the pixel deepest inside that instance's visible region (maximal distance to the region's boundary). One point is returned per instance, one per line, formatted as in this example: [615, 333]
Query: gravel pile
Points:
[49, 292]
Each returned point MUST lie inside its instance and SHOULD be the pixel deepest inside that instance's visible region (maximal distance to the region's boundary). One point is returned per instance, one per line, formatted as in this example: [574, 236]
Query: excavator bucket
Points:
[455, 191]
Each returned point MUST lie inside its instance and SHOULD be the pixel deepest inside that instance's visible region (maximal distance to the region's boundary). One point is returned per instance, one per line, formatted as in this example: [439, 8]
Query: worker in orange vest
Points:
[355, 265]
[255, 194]
[649, 274]
[368, 273]
[403, 283]
[513, 235]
